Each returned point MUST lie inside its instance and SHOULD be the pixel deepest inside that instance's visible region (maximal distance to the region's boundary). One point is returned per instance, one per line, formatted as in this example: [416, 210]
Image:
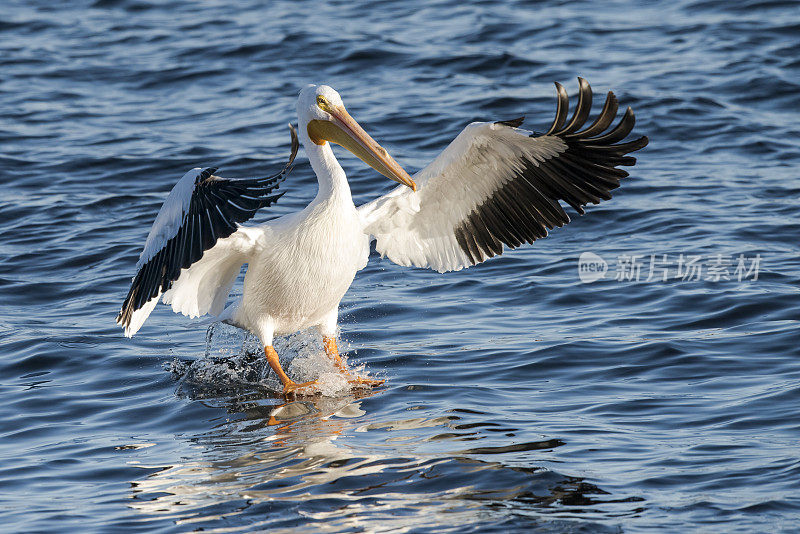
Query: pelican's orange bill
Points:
[345, 131]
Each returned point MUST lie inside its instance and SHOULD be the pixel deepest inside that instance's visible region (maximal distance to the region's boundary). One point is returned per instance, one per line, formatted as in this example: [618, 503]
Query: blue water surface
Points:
[517, 397]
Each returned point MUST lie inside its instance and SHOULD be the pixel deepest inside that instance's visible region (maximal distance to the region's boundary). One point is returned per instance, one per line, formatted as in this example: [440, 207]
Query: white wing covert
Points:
[498, 186]
[196, 247]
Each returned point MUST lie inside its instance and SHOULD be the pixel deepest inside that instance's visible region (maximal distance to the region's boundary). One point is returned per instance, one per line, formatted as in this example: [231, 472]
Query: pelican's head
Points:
[322, 114]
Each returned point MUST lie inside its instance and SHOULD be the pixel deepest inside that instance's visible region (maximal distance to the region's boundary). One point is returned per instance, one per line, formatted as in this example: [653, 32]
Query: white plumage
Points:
[494, 187]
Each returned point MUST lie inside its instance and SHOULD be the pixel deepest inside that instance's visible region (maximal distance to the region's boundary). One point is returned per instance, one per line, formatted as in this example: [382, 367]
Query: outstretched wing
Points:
[498, 186]
[197, 244]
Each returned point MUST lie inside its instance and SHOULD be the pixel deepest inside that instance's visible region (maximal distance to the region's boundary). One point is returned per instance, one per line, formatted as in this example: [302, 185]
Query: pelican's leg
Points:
[289, 385]
[332, 350]
[328, 330]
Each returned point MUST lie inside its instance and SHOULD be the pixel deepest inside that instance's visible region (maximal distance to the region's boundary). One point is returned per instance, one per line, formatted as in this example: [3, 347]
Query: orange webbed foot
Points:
[292, 388]
[356, 382]
[359, 382]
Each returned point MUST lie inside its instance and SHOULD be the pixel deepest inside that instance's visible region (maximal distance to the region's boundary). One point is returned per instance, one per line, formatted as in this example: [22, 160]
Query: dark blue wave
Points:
[517, 398]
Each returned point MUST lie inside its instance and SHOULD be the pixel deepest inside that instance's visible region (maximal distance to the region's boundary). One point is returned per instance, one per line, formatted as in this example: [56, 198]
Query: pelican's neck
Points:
[332, 179]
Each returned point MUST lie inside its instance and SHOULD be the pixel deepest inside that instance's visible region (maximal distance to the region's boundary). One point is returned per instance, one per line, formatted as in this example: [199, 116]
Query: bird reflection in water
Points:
[327, 462]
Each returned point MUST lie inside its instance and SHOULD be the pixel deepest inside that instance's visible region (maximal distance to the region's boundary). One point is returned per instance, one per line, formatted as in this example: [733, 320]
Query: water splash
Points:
[234, 360]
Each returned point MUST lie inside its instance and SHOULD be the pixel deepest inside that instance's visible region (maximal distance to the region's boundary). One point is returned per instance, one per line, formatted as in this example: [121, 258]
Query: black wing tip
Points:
[514, 123]
[126, 311]
[295, 142]
[598, 132]
[295, 146]
[273, 181]
[561, 111]
[639, 143]
[586, 171]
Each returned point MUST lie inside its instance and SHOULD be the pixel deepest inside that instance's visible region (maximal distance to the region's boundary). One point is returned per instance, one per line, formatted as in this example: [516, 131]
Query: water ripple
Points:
[517, 398]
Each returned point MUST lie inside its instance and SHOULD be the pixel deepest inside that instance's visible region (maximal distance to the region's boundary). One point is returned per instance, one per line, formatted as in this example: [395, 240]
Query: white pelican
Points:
[494, 186]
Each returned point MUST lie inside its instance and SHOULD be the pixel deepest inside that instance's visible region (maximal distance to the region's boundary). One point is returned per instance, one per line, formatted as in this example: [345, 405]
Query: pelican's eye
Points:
[323, 104]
